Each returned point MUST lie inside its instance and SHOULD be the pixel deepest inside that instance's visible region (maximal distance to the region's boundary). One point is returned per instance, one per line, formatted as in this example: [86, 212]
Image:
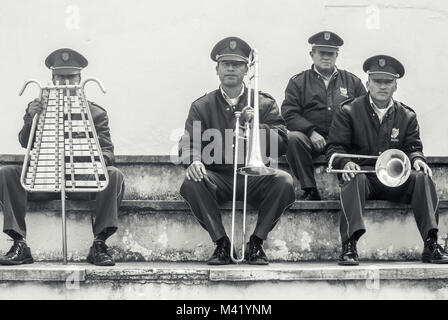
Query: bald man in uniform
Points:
[66, 65]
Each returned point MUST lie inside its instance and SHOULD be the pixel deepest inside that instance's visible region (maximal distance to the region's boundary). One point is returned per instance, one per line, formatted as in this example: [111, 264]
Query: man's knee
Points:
[283, 179]
[8, 172]
[360, 179]
[297, 137]
[114, 173]
[190, 186]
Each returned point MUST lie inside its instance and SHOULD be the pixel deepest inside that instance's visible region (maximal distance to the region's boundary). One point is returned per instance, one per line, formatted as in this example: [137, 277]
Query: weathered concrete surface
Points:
[392, 280]
[167, 231]
[157, 178]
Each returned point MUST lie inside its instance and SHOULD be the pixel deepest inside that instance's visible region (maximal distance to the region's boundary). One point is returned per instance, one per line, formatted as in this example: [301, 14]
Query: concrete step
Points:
[158, 178]
[391, 280]
[152, 230]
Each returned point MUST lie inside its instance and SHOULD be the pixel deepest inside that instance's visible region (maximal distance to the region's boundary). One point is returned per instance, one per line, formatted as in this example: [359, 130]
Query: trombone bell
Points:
[256, 169]
[393, 167]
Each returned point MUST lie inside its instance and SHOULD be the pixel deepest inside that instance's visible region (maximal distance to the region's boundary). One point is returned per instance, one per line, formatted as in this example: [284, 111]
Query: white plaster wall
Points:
[153, 56]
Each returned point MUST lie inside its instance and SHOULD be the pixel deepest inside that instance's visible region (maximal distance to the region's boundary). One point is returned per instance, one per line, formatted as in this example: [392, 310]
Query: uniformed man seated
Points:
[311, 98]
[370, 125]
[65, 64]
[209, 182]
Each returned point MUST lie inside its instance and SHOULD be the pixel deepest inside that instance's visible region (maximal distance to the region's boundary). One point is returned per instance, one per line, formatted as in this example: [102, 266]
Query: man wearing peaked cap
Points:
[66, 65]
[370, 125]
[209, 174]
[231, 48]
[66, 62]
[311, 97]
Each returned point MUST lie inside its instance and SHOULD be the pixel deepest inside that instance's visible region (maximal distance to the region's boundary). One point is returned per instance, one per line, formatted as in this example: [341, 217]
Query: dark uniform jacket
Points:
[309, 106]
[101, 122]
[356, 129]
[213, 112]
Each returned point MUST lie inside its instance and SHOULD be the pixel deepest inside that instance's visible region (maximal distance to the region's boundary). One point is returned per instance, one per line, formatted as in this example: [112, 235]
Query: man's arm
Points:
[292, 110]
[360, 90]
[273, 123]
[412, 145]
[101, 122]
[340, 137]
[33, 107]
[190, 149]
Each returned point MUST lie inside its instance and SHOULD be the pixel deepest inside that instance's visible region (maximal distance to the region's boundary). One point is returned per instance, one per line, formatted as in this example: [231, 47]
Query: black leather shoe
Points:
[255, 253]
[433, 252]
[221, 255]
[98, 255]
[19, 253]
[310, 195]
[349, 255]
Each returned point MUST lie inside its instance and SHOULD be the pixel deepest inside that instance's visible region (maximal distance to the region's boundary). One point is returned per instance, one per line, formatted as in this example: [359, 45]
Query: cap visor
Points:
[326, 49]
[66, 71]
[381, 75]
[232, 57]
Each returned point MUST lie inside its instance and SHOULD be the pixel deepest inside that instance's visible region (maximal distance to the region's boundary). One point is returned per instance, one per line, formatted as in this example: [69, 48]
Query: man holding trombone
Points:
[211, 178]
[375, 126]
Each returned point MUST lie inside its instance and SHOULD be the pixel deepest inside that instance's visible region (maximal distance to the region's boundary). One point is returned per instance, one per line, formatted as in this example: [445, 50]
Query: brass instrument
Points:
[392, 167]
[254, 165]
[63, 153]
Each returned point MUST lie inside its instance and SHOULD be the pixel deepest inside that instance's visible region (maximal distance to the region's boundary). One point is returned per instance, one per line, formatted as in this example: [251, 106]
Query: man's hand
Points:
[419, 164]
[318, 141]
[35, 107]
[196, 171]
[347, 176]
[247, 114]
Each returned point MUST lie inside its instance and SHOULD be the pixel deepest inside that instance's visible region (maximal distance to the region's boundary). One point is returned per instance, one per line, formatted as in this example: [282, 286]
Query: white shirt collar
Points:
[381, 112]
[335, 71]
[231, 101]
[325, 78]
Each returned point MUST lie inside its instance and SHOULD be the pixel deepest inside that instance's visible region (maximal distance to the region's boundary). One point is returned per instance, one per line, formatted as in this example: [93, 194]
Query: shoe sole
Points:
[258, 263]
[15, 263]
[435, 261]
[90, 260]
[348, 263]
[218, 264]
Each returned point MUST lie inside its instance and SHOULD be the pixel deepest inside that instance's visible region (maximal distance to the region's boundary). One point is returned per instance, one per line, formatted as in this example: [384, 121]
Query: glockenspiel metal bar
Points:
[85, 106]
[67, 106]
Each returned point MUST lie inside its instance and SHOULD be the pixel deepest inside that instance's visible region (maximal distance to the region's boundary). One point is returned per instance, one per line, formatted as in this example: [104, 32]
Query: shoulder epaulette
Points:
[405, 106]
[297, 75]
[266, 94]
[346, 101]
[93, 103]
[200, 97]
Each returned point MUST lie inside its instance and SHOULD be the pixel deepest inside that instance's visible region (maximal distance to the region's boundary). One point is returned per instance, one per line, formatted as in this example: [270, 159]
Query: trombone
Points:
[392, 167]
[254, 165]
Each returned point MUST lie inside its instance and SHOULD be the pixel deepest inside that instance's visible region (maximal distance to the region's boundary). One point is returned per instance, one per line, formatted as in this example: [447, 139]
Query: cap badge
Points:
[65, 56]
[327, 36]
[382, 63]
[232, 44]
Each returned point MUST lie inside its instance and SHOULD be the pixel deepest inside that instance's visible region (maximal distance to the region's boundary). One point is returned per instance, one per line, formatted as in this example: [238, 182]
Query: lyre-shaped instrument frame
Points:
[79, 91]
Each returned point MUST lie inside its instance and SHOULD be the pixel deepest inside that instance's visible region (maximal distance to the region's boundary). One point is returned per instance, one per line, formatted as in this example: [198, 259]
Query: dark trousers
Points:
[419, 190]
[13, 199]
[300, 156]
[271, 195]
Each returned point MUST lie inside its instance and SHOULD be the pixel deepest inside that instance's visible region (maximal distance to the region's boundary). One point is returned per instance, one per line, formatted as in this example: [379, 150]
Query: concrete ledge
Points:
[157, 178]
[180, 205]
[188, 271]
[152, 230]
[199, 281]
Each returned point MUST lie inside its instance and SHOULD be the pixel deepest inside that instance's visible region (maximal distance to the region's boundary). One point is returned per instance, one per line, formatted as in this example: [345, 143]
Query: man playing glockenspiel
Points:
[66, 65]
